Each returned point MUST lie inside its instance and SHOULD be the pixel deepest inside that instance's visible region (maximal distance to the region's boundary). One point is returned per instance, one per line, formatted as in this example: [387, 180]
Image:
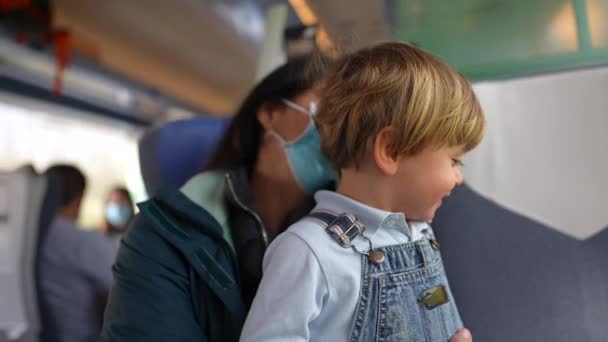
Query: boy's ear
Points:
[384, 152]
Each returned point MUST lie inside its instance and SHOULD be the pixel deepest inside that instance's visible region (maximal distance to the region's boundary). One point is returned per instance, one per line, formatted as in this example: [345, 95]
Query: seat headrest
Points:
[171, 154]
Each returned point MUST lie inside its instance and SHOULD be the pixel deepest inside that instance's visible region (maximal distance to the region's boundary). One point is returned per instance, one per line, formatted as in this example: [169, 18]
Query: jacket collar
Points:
[239, 195]
[179, 205]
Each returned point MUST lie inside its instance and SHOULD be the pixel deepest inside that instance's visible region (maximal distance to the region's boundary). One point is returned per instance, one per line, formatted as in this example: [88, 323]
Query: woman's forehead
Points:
[117, 196]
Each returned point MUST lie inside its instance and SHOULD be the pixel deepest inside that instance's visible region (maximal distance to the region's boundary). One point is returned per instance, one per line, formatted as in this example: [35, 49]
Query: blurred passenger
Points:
[75, 272]
[191, 262]
[117, 213]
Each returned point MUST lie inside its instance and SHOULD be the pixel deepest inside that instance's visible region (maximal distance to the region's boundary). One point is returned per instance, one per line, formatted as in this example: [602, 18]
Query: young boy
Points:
[364, 265]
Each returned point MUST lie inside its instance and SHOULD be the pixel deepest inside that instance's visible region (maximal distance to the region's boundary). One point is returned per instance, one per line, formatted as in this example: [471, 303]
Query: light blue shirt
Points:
[310, 287]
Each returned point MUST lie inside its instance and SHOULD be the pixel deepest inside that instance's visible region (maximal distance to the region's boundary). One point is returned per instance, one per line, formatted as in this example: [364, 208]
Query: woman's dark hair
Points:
[241, 141]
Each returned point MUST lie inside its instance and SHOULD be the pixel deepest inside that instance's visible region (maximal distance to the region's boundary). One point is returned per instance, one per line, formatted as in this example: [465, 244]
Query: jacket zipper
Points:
[248, 210]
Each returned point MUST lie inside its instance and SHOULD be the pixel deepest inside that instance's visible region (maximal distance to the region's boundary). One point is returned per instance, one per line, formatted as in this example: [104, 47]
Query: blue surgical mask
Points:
[309, 166]
[117, 214]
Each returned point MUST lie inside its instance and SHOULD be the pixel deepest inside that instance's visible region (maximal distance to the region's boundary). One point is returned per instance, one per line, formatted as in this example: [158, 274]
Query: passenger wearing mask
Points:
[75, 267]
[190, 264]
[117, 213]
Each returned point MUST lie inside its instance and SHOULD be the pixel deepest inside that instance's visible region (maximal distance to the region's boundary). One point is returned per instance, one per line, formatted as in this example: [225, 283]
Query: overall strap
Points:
[344, 228]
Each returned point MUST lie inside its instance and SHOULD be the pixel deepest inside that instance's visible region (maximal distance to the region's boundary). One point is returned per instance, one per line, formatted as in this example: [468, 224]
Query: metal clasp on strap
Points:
[344, 228]
[345, 236]
[430, 235]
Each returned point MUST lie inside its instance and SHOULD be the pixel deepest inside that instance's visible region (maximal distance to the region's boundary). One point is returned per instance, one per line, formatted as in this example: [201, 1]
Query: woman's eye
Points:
[457, 162]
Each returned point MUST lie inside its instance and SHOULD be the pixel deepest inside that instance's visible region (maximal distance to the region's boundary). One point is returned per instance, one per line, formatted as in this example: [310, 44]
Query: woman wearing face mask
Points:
[190, 264]
[117, 213]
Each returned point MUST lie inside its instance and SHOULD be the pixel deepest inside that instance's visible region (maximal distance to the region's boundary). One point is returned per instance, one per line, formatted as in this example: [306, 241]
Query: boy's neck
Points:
[367, 188]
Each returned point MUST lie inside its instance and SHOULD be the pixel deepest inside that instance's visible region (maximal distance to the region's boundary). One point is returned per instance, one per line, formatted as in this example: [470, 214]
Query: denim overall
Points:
[391, 306]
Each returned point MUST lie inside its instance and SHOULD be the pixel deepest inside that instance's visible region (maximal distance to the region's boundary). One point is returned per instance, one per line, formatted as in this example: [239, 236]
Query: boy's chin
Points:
[423, 217]
[422, 214]
[428, 216]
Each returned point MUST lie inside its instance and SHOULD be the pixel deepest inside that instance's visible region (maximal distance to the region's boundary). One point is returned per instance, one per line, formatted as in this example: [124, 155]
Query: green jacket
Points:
[176, 274]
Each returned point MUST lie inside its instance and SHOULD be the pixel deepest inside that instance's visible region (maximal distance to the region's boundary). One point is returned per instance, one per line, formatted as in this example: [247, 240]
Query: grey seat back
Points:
[515, 279]
[21, 195]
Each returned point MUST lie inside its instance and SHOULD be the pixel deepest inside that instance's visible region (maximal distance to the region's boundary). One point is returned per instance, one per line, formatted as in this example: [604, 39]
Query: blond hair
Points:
[396, 85]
